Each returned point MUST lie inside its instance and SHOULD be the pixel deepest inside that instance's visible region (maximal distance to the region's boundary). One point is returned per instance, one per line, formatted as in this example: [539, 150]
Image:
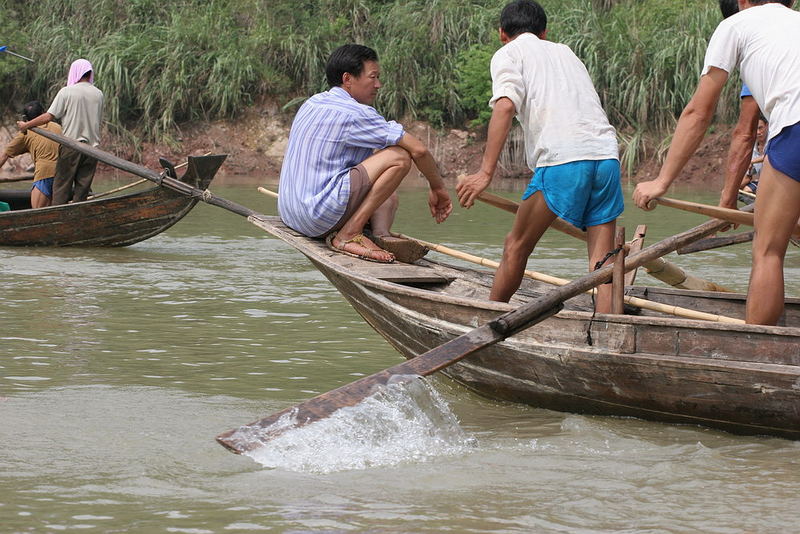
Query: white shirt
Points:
[764, 43]
[80, 109]
[556, 102]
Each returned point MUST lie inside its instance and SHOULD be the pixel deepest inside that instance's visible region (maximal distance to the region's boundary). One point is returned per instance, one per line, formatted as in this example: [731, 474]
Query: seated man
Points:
[43, 151]
[333, 181]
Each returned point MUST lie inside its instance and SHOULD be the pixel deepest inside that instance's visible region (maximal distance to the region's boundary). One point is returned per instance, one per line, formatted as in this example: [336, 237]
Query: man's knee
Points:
[516, 248]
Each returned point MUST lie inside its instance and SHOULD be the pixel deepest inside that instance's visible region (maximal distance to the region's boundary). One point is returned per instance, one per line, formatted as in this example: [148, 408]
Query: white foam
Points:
[400, 423]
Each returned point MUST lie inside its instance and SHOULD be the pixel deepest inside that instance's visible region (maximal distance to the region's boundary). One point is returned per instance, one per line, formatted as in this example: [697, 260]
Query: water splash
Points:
[400, 423]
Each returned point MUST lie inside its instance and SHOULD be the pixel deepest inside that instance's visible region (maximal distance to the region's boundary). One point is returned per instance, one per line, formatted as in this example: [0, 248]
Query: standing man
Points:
[79, 107]
[569, 144]
[761, 40]
[345, 161]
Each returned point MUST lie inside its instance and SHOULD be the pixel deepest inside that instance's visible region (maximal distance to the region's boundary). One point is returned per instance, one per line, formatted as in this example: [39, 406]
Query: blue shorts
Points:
[45, 185]
[783, 151]
[583, 193]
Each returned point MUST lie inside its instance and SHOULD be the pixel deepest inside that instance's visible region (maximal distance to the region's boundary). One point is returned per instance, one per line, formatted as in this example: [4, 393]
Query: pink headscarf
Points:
[78, 68]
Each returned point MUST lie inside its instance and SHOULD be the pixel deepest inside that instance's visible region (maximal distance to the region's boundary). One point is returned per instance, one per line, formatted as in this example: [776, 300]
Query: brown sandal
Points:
[358, 240]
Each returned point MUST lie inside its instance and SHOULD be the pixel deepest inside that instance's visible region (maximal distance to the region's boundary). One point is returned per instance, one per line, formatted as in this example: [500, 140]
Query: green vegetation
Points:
[161, 62]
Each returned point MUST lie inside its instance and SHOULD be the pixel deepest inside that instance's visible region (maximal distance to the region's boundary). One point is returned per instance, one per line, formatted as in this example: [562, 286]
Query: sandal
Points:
[359, 241]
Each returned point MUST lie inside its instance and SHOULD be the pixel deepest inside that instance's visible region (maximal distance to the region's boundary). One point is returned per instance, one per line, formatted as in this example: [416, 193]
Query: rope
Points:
[608, 255]
[207, 196]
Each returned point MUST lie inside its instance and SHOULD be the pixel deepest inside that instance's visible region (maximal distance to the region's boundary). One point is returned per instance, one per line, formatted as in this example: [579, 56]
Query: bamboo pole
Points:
[724, 214]
[661, 269]
[633, 301]
[134, 184]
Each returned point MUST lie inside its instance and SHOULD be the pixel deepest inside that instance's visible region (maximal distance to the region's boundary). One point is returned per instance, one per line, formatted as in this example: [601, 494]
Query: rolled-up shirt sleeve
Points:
[506, 80]
[370, 130]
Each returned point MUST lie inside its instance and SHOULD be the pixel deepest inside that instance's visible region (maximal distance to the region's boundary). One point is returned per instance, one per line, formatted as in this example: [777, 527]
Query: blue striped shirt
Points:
[331, 134]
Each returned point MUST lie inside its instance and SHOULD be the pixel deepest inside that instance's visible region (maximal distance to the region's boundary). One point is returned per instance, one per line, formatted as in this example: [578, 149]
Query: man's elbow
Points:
[418, 152]
[504, 106]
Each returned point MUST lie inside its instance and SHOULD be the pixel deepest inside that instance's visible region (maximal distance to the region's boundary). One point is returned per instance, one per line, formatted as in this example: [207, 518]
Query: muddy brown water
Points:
[119, 366]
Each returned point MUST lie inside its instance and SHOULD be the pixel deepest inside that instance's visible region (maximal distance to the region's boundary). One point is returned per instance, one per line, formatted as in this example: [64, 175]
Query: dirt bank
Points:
[255, 143]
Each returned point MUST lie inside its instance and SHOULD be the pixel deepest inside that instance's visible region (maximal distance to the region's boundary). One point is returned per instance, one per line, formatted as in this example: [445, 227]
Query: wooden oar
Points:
[134, 184]
[711, 243]
[633, 301]
[254, 435]
[661, 269]
[725, 214]
[143, 172]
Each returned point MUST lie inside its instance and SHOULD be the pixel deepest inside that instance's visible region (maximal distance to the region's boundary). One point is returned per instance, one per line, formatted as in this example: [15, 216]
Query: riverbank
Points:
[256, 141]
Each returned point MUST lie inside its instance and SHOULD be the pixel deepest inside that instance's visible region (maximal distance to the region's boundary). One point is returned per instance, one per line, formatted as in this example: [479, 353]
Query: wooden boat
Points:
[113, 221]
[740, 378]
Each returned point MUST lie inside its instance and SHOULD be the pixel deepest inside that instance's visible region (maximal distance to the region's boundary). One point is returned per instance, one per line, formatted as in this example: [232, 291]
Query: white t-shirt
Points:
[556, 102]
[764, 43]
[79, 107]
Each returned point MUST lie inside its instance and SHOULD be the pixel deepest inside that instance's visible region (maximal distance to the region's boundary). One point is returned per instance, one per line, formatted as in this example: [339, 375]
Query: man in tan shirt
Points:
[43, 151]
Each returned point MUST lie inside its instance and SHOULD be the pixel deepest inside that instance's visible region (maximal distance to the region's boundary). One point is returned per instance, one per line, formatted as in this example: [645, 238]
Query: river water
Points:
[119, 366]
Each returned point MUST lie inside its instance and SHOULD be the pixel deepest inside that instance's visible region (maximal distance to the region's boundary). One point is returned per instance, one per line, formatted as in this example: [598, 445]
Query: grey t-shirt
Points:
[79, 107]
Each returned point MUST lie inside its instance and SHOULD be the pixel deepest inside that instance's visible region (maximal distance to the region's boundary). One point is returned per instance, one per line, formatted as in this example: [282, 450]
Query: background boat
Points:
[113, 221]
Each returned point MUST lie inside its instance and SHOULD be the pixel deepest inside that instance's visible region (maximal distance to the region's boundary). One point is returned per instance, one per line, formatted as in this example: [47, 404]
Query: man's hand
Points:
[646, 191]
[469, 187]
[440, 204]
[23, 126]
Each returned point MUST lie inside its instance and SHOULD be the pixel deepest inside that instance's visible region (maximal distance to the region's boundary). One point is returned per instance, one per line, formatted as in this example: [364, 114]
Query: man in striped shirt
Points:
[344, 161]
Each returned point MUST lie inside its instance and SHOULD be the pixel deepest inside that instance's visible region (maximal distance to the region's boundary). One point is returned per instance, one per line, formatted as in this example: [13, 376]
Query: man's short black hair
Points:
[348, 58]
[31, 110]
[523, 16]
[728, 7]
[787, 3]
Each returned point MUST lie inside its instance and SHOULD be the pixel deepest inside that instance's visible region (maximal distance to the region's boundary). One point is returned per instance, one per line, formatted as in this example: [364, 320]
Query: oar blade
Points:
[256, 434]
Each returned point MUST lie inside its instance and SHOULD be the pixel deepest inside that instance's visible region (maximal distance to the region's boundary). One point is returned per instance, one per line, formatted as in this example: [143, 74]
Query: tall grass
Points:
[161, 62]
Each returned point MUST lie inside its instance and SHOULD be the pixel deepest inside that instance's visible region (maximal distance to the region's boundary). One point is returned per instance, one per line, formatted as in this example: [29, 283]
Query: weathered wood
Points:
[635, 246]
[710, 243]
[143, 172]
[549, 279]
[740, 378]
[116, 221]
[618, 278]
[255, 434]
[659, 268]
[725, 214]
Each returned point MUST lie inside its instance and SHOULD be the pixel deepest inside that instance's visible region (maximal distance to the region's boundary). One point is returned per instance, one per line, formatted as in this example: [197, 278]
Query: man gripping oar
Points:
[761, 41]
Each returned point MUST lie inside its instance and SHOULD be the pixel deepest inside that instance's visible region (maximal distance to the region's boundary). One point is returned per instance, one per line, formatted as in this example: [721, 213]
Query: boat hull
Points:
[107, 222]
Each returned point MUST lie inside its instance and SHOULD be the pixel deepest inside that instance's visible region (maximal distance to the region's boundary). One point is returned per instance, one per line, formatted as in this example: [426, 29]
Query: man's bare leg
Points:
[777, 211]
[38, 199]
[532, 219]
[386, 169]
[599, 242]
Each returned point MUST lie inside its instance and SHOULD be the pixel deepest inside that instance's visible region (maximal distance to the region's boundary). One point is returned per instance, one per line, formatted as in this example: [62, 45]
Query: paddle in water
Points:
[256, 434]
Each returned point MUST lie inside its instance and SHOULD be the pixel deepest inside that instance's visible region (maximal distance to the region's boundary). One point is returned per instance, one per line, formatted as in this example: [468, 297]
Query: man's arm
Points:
[471, 186]
[44, 118]
[741, 150]
[691, 129]
[438, 200]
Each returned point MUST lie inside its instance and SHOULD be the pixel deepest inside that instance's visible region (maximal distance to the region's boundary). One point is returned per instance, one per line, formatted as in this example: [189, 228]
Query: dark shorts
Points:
[45, 185]
[360, 184]
[783, 151]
